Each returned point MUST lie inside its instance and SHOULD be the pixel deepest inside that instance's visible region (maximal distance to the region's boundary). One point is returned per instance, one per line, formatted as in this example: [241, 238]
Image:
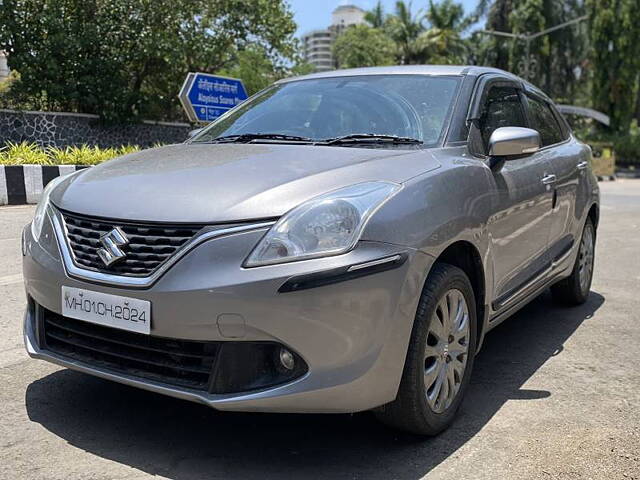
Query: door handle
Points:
[549, 179]
[582, 165]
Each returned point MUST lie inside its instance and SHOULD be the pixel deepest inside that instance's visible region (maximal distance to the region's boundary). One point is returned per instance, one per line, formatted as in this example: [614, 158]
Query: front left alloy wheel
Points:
[440, 355]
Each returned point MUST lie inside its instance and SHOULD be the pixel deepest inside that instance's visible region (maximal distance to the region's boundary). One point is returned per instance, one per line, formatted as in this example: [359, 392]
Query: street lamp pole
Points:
[527, 64]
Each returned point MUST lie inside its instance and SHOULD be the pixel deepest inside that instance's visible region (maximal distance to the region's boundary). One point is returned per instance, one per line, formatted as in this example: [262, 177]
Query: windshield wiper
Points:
[370, 138]
[249, 137]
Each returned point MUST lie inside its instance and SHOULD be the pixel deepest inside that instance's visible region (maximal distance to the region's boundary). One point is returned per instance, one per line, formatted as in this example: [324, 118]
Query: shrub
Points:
[31, 154]
[627, 150]
[86, 155]
[626, 147]
[24, 154]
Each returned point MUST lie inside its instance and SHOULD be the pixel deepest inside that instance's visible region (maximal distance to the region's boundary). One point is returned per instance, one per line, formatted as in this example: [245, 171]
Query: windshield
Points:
[408, 106]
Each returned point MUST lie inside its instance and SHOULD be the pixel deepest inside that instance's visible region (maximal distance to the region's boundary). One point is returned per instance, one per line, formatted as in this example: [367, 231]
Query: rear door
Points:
[520, 224]
[564, 157]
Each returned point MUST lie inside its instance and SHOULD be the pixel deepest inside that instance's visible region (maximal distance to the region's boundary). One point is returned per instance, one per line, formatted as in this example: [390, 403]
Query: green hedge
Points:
[627, 150]
[626, 147]
[31, 154]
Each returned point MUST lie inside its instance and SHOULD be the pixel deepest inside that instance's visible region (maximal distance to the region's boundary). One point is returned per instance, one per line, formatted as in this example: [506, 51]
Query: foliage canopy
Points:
[363, 45]
[124, 59]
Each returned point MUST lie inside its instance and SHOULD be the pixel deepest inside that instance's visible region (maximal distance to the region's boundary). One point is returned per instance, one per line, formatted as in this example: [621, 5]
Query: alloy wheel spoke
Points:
[457, 349]
[461, 317]
[444, 391]
[432, 351]
[431, 373]
[452, 381]
[459, 365]
[443, 306]
[437, 386]
[437, 328]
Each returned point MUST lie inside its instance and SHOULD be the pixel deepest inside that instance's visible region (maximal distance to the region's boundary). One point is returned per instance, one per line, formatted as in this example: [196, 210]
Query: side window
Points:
[543, 120]
[502, 108]
[562, 121]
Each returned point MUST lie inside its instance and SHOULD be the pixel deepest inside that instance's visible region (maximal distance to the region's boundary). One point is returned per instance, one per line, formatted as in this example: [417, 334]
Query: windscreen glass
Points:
[413, 106]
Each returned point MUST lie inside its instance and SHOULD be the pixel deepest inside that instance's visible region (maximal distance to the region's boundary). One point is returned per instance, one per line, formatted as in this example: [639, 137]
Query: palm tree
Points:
[442, 41]
[404, 28]
[377, 16]
[492, 51]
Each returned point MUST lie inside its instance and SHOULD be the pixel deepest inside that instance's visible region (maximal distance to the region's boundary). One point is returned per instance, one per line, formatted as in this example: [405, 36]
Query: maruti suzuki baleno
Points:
[339, 242]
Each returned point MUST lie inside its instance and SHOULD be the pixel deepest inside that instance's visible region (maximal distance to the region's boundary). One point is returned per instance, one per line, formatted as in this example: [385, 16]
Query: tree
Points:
[125, 59]
[493, 51]
[525, 19]
[554, 57]
[257, 70]
[567, 51]
[442, 41]
[615, 36]
[377, 16]
[363, 46]
[404, 28]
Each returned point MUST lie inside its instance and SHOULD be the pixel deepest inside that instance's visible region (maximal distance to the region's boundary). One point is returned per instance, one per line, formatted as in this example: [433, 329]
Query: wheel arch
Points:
[466, 257]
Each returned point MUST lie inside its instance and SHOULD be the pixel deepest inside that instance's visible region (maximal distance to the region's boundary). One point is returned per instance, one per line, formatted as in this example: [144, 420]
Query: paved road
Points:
[555, 394]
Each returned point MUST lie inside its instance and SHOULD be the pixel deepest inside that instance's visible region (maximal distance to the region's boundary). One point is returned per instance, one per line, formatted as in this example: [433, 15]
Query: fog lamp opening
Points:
[286, 359]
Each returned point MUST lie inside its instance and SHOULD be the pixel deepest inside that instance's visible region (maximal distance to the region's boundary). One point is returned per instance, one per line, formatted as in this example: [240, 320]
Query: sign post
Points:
[205, 97]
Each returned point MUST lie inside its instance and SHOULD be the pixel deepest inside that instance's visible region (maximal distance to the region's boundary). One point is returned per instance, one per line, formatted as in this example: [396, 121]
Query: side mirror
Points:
[507, 142]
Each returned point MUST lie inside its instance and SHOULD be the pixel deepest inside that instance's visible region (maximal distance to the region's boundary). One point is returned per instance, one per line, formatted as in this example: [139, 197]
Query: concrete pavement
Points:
[555, 395]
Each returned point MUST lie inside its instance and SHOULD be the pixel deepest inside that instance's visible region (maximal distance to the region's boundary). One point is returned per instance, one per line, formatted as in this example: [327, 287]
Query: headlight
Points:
[41, 209]
[330, 224]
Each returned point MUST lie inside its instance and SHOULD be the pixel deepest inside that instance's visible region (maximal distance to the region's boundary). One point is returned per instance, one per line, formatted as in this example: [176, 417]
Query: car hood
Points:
[212, 183]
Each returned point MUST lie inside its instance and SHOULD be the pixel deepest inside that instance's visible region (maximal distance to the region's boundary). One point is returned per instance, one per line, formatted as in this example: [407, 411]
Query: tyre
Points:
[575, 289]
[440, 355]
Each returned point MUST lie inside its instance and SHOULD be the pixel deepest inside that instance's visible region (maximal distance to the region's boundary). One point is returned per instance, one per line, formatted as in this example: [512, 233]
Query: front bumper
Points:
[352, 335]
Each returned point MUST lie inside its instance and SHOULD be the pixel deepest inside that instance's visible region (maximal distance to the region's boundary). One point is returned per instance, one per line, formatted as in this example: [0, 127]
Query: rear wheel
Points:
[574, 290]
[440, 355]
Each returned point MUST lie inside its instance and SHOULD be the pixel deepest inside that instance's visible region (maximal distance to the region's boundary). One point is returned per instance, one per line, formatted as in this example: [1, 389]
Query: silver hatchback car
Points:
[339, 242]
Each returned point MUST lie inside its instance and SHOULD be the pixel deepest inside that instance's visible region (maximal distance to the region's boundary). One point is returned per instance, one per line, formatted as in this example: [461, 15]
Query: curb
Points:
[628, 173]
[23, 184]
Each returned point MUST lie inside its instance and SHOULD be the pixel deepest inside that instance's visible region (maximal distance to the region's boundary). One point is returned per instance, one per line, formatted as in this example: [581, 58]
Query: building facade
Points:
[317, 49]
[317, 44]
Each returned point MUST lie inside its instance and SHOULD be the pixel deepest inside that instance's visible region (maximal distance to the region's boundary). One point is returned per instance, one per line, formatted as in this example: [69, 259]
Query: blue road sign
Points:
[205, 97]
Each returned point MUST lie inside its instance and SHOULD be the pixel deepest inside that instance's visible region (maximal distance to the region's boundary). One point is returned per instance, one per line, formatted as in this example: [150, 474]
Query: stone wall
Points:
[68, 129]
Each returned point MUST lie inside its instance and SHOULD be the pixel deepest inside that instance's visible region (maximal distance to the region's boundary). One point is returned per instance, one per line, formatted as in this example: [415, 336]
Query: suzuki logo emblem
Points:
[112, 241]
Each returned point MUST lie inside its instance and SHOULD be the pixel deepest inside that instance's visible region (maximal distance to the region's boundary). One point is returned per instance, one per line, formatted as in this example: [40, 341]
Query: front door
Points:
[522, 204]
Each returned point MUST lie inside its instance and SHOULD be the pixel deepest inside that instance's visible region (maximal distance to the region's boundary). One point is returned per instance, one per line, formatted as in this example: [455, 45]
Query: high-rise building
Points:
[4, 68]
[316, 46]
[317, 43]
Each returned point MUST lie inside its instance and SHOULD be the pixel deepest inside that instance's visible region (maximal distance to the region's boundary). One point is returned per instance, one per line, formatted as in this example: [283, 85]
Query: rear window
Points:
[544, 121]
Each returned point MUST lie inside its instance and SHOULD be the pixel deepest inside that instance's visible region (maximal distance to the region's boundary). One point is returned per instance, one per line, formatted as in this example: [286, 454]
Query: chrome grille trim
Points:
[75, 271]
[149, 246]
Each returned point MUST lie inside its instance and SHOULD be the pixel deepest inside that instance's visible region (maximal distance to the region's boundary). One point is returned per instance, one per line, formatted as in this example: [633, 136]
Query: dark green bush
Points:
[627, 150]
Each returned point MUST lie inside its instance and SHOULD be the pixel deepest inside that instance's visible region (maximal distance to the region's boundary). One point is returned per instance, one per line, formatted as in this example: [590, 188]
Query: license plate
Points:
[110, 310]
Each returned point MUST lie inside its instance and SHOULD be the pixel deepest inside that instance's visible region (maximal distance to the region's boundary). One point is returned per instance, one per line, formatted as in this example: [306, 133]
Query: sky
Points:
[312, 14]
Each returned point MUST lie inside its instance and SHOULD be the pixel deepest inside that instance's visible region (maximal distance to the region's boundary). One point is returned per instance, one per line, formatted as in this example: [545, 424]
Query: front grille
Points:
[149, 245]
[184, 363]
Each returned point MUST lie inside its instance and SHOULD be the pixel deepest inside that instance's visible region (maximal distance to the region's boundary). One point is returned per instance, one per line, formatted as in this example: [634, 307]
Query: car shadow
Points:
[181, 440]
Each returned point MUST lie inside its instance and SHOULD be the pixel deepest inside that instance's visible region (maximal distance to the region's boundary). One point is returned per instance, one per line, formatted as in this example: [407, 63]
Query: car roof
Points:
[434, 70]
